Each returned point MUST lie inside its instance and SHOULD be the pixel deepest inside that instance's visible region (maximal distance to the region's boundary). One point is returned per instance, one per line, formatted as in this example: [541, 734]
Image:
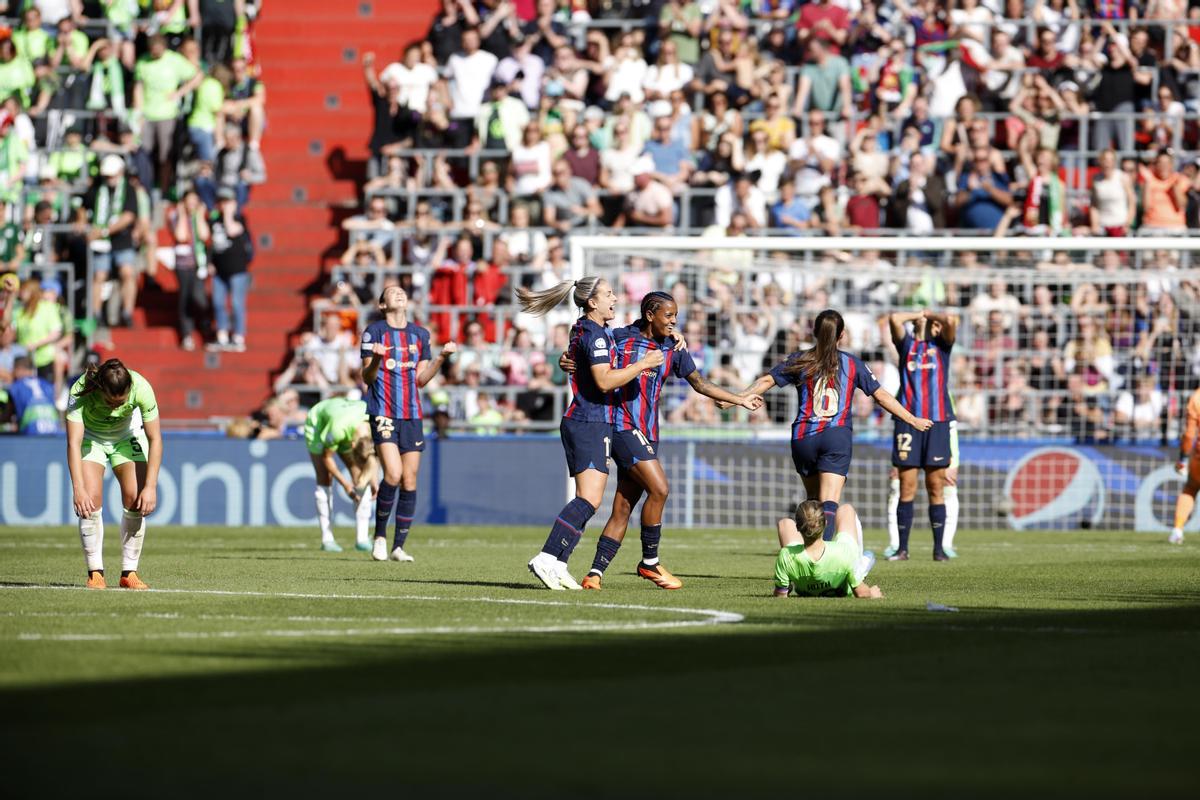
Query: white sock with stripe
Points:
[91, 536]
[133, 534]
[950, 493]
[893, 502]
[364, 515]
[324, 497]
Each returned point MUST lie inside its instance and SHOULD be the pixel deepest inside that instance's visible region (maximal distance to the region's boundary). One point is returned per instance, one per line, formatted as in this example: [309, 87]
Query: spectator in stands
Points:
[502, 121]
[162, 78]
[189, 227]
[651, 205]
[680, 23]
[30, 401]
[1113, 205]
[1164, 195]
[742, 196]
[826, 22]
[789, 212]
[238, 167]
[218, 19]
[527, 247]
[232, 252]
[374, 224]
[668, 74]
[983, 194]
[1090, 352]
[246, 102]
[16, 73]
[863, 209]
[717, 71]
[392, 121]
[581, 157]
[14, 156]
[470, 72]
[919, 205]
[672, 162]
[529, 167]
[570, 202]
[1081, 413]
[824, 81]
[207, 118]
[113, 210]
[448, 287]
[332, 351]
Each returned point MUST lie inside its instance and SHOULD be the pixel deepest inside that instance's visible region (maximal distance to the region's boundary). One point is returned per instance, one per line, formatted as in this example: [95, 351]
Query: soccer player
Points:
[635, 436]
[587, 425]
[1188, 467]
[822, 437]
[339, 426]
[924, 391]
[397, 364]
[949, 495]
[809, 566]
[100, 432]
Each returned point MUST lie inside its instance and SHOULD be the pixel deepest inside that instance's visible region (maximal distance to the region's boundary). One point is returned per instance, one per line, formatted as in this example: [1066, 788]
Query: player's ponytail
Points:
[651, 303]
[542, 303]
[111, 377]
[810, 520]
[822, 361]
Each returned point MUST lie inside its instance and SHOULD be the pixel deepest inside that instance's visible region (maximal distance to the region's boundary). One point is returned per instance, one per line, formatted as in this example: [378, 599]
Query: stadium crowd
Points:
[129, 139]
[515, 125]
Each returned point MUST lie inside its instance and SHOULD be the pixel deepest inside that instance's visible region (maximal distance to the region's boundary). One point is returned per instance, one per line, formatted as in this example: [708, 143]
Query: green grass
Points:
[1067, 670]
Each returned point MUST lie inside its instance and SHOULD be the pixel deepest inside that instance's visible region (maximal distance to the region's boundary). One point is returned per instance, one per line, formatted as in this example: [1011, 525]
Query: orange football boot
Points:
[591, 581]
[659, 575]
[96, 581]
[132, 581]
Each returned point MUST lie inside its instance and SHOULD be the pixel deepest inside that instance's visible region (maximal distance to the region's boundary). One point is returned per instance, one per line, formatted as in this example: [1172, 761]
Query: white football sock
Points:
[324, 498]
[91, 536]
[893, 504]
[364, 516]
[950, 493]
[133, 535]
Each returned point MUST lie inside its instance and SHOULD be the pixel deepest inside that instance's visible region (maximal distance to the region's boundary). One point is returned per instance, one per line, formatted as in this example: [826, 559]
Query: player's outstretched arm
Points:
[893, 407]
[864, 592]
[762, 384]
[753, 402]
[426, 370]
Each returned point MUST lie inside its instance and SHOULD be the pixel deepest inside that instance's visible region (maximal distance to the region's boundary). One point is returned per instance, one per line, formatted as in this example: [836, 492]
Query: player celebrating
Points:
[1188, 467]
[587, 425]
[809, 566]
[397, 364]
[635, 436]
[100, 431]
[339, 425]
[822, 438]
[925, 391]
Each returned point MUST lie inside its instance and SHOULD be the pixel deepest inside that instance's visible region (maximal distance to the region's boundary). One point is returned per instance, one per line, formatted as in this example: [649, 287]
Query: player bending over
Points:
[925, 392]
[809, 566]
[1188, 467]
[635, 432]
[397, 363]
[339, 426]
[99, 432]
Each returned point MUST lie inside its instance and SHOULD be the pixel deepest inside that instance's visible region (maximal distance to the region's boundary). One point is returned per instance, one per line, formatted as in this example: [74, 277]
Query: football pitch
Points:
[259, 665]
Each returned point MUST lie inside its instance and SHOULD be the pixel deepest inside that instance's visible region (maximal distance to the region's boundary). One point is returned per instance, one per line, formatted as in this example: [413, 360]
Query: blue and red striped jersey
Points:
[823, 407]
[637, 407]
[395, 392]
[925, 378]
[591, 344]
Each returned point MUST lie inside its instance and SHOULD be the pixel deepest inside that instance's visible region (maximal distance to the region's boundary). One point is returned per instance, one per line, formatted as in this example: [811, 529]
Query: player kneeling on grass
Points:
[339, 425]
[809, 566]
[99, 432]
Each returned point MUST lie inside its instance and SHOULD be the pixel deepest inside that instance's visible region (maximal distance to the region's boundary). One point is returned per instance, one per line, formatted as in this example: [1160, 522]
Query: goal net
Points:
[1074, 362]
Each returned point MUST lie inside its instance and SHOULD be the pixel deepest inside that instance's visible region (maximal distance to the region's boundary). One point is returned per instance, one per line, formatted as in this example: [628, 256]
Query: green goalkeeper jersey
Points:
[831, 576]
[331, 423]
[102, 423]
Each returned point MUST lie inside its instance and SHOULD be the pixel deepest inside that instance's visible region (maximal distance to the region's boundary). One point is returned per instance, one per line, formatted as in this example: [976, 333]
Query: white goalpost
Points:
[1074, 361]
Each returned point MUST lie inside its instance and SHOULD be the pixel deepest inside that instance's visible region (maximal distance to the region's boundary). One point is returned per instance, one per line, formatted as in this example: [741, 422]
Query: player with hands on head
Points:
[1187, 467]
[100, 432]
[810, 566]
[925, 392]
[397, 363]
[338, 426]
[822, 436]
[635, 435]
[587, 424]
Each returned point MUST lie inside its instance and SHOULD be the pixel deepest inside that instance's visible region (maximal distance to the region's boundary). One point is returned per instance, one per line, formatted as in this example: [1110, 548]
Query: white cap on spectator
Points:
[643, 166]
[594, 112]
[112, 165]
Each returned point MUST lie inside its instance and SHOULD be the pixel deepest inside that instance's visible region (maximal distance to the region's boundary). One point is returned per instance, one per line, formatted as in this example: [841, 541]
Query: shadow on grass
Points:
[1057, 702]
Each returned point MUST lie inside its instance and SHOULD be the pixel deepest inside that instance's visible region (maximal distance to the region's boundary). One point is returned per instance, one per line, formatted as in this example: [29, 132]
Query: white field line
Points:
[707, 617]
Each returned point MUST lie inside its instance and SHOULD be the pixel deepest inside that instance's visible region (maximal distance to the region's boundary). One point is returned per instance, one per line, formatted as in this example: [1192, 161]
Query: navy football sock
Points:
[384, 502]
[606, 552]
[651, 534]
[406, 509]
[568, 527]
[830, 508]
[937, 519]
[904, 515]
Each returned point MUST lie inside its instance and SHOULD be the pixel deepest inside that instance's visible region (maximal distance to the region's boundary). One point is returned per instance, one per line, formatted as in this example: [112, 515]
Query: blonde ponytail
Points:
[542, 303]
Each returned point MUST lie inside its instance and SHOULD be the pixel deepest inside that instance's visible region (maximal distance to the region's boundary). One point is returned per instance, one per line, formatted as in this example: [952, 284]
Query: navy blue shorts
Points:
[827, 451]
[928, 450]
[586, 444]
[632, 447]
[407, 434]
